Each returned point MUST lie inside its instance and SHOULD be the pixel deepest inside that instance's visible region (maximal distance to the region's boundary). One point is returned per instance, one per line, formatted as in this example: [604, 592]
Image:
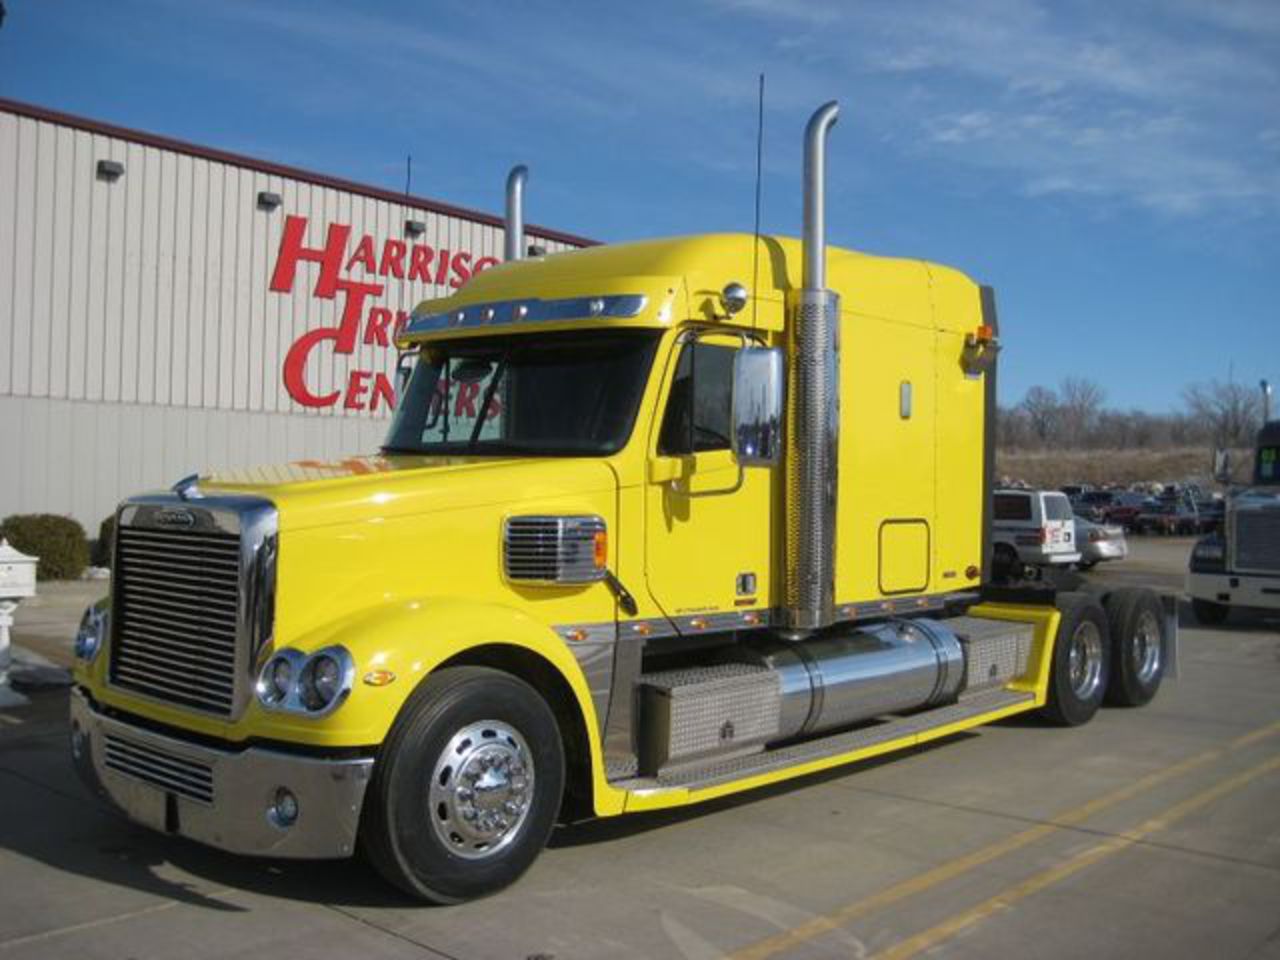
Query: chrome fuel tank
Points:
[846, 677]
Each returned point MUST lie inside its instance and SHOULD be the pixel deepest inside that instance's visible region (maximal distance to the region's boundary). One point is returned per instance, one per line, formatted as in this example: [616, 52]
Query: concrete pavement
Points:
[1151, 832]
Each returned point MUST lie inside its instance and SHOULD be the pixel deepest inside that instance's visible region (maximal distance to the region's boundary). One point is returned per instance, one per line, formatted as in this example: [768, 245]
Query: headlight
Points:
[321, 681]
[92, 631]
[1209, 550]
[313, 685]
[276, 682]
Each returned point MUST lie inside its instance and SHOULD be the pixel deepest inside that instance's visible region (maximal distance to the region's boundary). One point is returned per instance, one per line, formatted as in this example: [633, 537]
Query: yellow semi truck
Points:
[654, 523]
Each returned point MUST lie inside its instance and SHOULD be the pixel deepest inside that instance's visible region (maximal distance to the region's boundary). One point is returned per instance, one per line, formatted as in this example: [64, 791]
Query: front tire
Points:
[1081, 661]
[1209, 613]
[466, 787]
[1138, 646]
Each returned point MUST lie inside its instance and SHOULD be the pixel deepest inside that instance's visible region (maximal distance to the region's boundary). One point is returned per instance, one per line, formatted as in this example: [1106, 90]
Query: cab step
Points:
[728, 769]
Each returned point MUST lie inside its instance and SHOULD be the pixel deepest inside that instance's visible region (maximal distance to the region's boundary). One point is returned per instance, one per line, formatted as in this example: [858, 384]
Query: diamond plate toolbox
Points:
[995, 651]
[693, 713]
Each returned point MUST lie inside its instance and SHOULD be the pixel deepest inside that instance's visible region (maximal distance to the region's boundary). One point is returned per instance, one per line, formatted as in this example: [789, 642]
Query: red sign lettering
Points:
[364, 389]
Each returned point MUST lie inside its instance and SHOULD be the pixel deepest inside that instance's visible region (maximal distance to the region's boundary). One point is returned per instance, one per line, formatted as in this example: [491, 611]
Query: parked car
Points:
[1033, 528]
[1098, 542]
[1125, 509]
[1169, 515]
[1094, 504]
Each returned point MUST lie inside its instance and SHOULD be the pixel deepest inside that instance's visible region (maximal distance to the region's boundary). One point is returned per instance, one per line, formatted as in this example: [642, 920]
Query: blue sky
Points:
[1112, 169]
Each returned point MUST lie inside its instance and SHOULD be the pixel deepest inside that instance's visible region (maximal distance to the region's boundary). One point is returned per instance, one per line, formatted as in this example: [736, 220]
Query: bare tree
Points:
[1041, 407]
[1081, 402]
[1013, 430]
[1228, 412]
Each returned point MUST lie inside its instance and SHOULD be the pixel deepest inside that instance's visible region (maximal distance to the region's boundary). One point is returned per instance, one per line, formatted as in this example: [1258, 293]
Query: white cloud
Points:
[1159, 105]
[1171, 106]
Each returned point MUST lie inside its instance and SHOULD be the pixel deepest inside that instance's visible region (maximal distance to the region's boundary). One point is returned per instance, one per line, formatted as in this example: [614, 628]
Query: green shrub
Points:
[59, 542]
[100, 549]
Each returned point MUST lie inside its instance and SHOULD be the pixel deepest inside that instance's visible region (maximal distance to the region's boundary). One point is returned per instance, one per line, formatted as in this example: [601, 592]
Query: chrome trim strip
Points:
[531, 310]
[657, 628]
[581, 633]
[725, 620]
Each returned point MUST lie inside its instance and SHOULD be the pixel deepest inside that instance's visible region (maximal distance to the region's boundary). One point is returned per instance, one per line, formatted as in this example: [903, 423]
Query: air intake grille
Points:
[1257, 541]
[553, 549]
[177, 605]
[160, 768]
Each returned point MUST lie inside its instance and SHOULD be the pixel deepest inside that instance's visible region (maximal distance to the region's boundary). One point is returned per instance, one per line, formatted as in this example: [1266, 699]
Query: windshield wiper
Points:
[488, 399]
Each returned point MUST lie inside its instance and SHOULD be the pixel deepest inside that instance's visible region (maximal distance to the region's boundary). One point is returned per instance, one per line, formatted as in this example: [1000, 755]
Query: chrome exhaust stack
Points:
[813, 409]
[513, 242]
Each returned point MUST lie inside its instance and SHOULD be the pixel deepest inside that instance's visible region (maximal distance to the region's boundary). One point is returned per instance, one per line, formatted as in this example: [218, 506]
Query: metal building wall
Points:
[139, 339]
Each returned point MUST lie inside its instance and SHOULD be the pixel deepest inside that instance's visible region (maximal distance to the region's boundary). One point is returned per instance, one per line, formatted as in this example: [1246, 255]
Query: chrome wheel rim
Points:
[481, 789]
[1146, 650]
[1085, 660]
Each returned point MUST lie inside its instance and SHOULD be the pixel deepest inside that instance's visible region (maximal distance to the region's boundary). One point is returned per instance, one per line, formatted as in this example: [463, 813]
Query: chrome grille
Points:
[177, 607]
[160, 768]
[1257, 541]
[549, 549]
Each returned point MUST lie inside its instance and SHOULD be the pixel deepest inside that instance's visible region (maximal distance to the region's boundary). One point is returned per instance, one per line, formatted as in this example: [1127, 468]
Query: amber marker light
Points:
[600, 547]
[379, 678]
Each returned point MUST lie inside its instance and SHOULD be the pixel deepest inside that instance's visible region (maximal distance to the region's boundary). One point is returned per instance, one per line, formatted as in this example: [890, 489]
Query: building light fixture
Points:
[267, 200]
[110, 170]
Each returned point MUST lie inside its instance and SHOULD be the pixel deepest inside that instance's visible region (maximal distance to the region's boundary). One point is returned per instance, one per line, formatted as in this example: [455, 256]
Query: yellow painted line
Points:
[789, 939]
[1020, 891]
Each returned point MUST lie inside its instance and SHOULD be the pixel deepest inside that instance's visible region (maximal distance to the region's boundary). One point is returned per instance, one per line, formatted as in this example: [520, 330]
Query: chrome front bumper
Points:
[222, 798]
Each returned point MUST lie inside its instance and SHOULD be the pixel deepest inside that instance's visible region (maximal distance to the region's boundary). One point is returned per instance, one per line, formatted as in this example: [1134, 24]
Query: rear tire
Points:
[1209, 613]
[466, 787]
[1081, 661]
[1139, 646]
[1008, 565]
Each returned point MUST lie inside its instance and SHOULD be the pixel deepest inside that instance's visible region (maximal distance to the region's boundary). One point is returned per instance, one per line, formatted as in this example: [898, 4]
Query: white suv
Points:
[1034, 527]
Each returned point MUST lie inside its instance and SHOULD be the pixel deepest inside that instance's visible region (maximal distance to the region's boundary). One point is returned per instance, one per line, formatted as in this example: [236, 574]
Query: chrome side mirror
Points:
[759, 384]
[404, 371]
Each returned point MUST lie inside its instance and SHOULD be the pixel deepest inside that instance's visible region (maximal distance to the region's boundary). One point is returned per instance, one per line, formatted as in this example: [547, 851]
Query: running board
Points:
[718, 771]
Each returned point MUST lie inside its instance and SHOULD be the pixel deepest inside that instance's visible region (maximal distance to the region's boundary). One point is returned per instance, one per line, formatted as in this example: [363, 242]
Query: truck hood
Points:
[314, 493]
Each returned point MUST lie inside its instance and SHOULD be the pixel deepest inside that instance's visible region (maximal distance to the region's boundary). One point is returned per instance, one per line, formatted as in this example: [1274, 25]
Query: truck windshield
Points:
[549, 394]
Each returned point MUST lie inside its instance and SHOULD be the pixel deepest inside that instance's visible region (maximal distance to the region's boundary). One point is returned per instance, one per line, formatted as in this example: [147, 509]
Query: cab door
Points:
[708, 521]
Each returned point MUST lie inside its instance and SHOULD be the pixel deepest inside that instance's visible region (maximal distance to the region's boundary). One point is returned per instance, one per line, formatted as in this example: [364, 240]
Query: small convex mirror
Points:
[758, 386]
